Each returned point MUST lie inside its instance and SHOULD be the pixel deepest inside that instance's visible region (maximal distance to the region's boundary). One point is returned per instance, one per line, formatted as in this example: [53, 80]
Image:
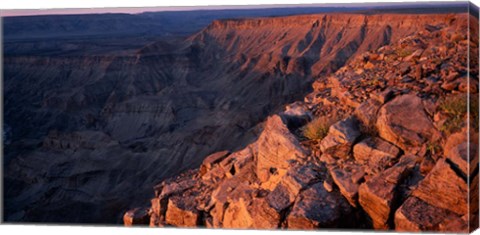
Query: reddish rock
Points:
[443, 188]
[404, 122]
[347, 182]
[137, 216]
[317, 208]
[340, 138]
[212, 159]
[456, 150]
[416, 215]
[366, 113]
[376, 153]
[378, 195]
[296, 179]
[181, 212]
[263, 215]
[276, 145]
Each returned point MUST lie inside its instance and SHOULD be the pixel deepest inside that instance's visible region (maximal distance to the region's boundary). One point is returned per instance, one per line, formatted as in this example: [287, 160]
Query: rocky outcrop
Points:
[404, 122]
[276, 146]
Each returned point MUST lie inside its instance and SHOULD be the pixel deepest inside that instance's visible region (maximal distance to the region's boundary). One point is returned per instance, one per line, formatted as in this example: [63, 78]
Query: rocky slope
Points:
[401, 153]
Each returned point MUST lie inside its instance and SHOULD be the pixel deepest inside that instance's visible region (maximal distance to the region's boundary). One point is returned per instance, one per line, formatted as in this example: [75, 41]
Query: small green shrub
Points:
[317, 129]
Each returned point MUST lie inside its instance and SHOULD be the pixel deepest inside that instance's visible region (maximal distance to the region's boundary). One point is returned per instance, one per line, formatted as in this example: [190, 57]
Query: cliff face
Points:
[159, 111]
[394, 154]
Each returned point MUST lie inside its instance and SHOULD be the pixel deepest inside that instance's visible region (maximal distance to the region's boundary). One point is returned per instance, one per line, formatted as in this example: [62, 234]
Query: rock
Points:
[181, 212]
[212, 159]
[378, 195]
[456, 150]
[296, 179]
[340, 138]
[416, 215]
[296, 115]
[404, 122]
[137, 216]
[263, 215]
[173, 188]
[383, 96]
[369, 66]
[404, 68]
[376, 153]
[347, 182]
[276, 145]
[237, 215]
[443, 188]
[366, 113]
[317, 208]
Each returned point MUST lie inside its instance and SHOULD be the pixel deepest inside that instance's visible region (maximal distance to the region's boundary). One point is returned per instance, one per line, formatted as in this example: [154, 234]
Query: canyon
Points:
[216, 115]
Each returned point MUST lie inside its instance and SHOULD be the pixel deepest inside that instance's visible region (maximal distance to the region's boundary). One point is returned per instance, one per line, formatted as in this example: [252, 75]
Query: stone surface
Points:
[276, 145]
[181, 212]
[212, 159]
[317, 208]
[443, 188]
[376, 153]
[340, 138]
[378, 195]
[456, 150]
[404, 122]
[347, 182]
[416, 215]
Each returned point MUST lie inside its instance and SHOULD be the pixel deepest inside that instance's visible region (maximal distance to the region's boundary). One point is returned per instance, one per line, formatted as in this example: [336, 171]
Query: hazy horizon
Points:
[139, 10]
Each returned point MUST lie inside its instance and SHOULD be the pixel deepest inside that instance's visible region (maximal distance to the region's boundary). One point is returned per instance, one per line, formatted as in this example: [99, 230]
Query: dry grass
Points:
[317, 129]
[456, 107]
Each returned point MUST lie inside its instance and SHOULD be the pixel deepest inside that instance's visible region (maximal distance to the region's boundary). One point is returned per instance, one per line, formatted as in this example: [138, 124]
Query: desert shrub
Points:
[318, 128]
[456, 107]
[403, 52]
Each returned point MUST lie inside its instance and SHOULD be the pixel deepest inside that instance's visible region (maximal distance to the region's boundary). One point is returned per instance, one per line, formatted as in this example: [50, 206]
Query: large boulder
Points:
[276, 146]
[378, 195]
[318, 208]
[416, 215]
[340, 138]
[404, 122]
[376, 153]
[182, 212]
[443, 188]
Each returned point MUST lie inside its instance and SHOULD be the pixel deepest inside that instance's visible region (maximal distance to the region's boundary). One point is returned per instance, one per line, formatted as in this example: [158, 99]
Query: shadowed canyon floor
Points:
[219, 116]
